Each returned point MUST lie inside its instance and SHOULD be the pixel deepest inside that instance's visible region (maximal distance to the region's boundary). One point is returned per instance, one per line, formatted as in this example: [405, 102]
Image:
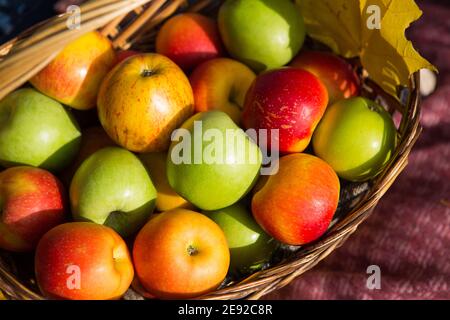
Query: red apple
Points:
[180, 254]
[83, 261]
[32, 202]
[189, 39]
[296, 205]
[290, 100]
[336, 74]
[221, 84]
[75, 75]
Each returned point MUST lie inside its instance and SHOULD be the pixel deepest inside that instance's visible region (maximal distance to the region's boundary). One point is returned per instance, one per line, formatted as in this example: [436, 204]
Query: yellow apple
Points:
[142, 100]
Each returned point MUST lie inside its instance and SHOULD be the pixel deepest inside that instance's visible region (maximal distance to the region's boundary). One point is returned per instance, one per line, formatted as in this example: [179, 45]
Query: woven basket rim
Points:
[106, 15]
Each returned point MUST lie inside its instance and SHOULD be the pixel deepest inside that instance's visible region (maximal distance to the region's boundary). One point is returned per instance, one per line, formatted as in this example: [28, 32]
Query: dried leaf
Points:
[385, 53]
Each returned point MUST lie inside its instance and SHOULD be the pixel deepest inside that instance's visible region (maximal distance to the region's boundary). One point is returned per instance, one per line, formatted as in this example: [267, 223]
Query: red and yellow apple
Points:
[142, 100]
[32, 201]
[296, 205]
[180, 254]
[167, 198]
[221, 84]
[83, 261]
[290, 100]
[75, 75]
[336, 74]
[189, 39]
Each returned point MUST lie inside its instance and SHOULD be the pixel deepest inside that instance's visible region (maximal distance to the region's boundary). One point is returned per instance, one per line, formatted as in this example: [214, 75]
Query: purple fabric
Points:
[408, 235]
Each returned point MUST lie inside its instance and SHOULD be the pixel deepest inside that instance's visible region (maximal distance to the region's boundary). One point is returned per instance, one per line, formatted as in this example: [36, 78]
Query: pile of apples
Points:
[187, 225]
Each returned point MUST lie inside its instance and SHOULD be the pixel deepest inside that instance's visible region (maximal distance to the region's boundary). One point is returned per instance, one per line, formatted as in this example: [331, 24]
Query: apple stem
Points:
[148, 73]
[192, 251]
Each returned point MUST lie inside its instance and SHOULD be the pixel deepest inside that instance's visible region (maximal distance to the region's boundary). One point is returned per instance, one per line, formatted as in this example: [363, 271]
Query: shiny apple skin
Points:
[296, 205]
[181, 254]
[112, 187]
[189, 39]
[74, 76]
[99, 254]
[290, 100]
[357, 137]
[36, 130]
[32, 201]
[221, 84]
[335, 73]
[142, 100]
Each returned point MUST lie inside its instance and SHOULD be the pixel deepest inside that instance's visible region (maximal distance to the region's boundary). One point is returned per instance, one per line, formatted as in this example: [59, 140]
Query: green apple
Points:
[113, 188]
[212, 163]
[264, 34]
[250, 247]
[356, 137]
[36, 130]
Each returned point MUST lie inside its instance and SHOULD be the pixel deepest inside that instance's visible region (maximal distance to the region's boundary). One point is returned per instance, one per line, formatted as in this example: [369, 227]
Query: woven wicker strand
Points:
[133, 23]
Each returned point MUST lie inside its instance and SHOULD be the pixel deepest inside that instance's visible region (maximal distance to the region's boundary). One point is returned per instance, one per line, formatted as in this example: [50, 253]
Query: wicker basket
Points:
[133, 23]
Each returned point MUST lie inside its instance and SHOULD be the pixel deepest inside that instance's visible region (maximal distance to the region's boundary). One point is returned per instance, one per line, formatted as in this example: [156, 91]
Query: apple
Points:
[296, 205]
[32, 201]
[36, 130]
[214, 171]
[142, 100]
[189, 39]
[335, 73]
[83, 261]
[75, 75]
[250, 247]
[221, 84]
[357, 137]
[167, 198]
[92, 140]
[289, 100]
[180, 254]
[112, 187]
[124, 54]
[264, 34]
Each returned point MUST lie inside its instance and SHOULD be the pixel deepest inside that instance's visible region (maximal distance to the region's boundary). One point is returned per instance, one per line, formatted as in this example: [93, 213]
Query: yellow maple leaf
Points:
[349, 28]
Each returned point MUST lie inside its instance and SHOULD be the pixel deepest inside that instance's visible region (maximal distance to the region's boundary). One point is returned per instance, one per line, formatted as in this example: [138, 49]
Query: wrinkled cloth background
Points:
[408, 235]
